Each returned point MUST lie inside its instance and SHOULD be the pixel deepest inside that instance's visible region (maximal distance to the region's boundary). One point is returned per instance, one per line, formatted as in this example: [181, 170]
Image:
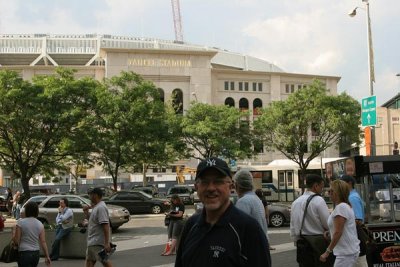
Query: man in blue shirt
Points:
[358, 207]
[65, 221]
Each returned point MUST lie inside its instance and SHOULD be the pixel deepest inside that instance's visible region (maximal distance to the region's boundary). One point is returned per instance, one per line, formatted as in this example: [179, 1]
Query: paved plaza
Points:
[141, 242]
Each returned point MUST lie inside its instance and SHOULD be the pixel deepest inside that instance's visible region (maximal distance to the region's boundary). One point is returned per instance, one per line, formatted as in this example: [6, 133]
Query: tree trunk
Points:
[302, 179]
[25, 186]
[145, 166]
[115, 178]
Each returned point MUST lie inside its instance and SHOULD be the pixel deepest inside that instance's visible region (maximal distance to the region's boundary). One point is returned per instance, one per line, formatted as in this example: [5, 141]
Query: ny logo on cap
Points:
[211, 162]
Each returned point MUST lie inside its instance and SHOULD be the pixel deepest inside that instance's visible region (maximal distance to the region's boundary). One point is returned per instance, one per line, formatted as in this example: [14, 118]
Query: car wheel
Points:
[277, 219]
[114, 228]
[156, 209]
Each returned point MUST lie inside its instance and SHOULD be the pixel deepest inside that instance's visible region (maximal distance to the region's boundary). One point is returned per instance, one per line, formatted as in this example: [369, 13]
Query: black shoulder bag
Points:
[310, 247]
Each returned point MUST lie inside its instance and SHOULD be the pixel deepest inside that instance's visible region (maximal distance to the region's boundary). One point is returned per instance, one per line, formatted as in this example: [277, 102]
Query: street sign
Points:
[368, 111]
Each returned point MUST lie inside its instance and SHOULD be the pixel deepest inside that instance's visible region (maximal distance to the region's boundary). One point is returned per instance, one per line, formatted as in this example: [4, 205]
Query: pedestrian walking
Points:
[175, 225]
[221, 235]
[9, 201]
[342, 228]
[29, 237]
[248, 201]
[99, 233]
[15, 207]
[265, 203]
[64, 221]
[358, 207]
[314, 223]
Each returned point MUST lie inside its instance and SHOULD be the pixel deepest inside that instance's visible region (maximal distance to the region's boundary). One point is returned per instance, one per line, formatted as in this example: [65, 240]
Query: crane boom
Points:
[176, 11]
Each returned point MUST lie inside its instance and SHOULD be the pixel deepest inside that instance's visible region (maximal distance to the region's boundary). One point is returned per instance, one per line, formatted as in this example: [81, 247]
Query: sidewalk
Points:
[143, 249]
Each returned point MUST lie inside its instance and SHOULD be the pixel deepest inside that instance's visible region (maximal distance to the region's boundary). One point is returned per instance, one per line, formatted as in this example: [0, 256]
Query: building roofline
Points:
[391, 100]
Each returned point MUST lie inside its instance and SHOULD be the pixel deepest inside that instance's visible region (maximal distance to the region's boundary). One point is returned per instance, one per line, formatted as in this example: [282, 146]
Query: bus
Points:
[280, 179]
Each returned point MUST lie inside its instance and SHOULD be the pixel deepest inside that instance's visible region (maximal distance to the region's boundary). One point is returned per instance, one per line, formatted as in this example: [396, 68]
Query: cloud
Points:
[295, 42]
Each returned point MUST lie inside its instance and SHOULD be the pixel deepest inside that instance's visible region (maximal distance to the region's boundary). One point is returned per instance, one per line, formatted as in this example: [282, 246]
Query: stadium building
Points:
[192, 72]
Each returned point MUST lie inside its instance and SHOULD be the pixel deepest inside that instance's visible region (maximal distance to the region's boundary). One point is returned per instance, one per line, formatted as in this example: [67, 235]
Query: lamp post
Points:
[371, 71]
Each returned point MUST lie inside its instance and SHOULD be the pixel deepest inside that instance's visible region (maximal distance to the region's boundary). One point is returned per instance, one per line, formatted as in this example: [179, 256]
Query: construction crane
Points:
[176, 11]
[181, 171]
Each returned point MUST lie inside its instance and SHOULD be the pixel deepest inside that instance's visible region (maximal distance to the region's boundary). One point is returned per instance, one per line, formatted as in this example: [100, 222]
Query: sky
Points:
[300, 36]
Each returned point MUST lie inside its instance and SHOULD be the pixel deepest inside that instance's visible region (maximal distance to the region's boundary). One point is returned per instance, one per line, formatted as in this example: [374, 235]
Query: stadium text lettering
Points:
[159, 62]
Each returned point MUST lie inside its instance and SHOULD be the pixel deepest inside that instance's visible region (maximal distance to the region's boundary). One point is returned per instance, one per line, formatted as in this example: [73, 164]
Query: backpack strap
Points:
[305, 209]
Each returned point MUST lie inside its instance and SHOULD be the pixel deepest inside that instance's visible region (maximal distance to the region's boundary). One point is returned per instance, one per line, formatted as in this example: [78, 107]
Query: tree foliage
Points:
[217, 131]
[36, 118]
[309, 122]
[132, 125]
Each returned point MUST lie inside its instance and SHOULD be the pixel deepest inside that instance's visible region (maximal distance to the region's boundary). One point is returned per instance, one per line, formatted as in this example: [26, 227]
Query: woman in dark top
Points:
[9, 201]
[261, 196]
[176, 224]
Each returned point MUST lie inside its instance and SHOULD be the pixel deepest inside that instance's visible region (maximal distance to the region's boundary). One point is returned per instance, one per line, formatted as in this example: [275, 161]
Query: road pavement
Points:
[141, 241]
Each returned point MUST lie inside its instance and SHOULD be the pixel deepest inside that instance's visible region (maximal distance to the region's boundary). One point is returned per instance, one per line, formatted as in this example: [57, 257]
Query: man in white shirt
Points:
[316, 220]
[65, 221]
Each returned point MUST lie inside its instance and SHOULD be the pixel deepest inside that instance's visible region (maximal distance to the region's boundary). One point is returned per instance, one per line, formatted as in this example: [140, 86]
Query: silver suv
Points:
[48, 209]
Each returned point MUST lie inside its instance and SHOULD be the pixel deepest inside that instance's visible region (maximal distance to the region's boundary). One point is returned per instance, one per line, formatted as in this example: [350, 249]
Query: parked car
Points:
[107, 191]
[150, 189]
[3, 198]
[40, 191]
[185, 192]
[139, 202]
[279, 214]
[48, 209]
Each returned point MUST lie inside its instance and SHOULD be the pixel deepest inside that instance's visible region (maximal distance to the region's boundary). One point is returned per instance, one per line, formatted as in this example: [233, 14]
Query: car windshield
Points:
[178, 190]
[37, 199]
[146, 195]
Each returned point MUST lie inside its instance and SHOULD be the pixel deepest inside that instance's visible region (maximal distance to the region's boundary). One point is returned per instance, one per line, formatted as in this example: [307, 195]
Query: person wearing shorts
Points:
[98, 230]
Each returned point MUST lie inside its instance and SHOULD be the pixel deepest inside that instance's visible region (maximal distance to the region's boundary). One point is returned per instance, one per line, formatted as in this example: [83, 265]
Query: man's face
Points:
[62, 204]
[319, 187]
[213, 189]
[349, 167]
[93, 198]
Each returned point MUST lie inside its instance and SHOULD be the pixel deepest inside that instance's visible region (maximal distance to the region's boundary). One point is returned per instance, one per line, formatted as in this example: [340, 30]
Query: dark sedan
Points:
[139, 202]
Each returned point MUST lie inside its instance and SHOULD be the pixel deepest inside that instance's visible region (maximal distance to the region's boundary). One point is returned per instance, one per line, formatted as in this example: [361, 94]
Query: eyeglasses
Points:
[217, 181]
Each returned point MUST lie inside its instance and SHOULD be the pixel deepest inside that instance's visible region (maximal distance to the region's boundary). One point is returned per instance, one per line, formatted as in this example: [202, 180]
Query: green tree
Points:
[132, 126]
[36, 118]
[287, 126]
[217, 131]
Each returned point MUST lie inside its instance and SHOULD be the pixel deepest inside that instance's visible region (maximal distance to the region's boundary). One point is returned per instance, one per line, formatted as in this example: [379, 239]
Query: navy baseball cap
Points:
[215, 163]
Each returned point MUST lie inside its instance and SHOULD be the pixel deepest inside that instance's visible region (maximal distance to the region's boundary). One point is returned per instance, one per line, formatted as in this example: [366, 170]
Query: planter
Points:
[73, 246]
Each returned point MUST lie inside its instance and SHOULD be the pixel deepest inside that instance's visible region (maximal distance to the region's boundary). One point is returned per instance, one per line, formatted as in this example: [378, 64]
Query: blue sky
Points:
[301, 36]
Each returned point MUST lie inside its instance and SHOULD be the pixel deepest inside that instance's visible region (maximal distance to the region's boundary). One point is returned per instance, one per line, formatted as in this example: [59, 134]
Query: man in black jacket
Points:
[221, 235]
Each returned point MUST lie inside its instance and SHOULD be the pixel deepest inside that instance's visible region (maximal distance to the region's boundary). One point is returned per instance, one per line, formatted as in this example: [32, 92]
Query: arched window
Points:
[244, 104]
[257, 105]
[230, 102]
[177, 100]
[161, 92]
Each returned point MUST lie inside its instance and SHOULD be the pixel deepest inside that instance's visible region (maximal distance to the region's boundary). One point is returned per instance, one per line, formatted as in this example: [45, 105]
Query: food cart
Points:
[378, 183]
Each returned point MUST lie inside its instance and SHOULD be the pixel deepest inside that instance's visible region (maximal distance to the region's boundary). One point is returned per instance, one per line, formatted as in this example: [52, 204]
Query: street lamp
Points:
[369, 131]
[371, 72]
